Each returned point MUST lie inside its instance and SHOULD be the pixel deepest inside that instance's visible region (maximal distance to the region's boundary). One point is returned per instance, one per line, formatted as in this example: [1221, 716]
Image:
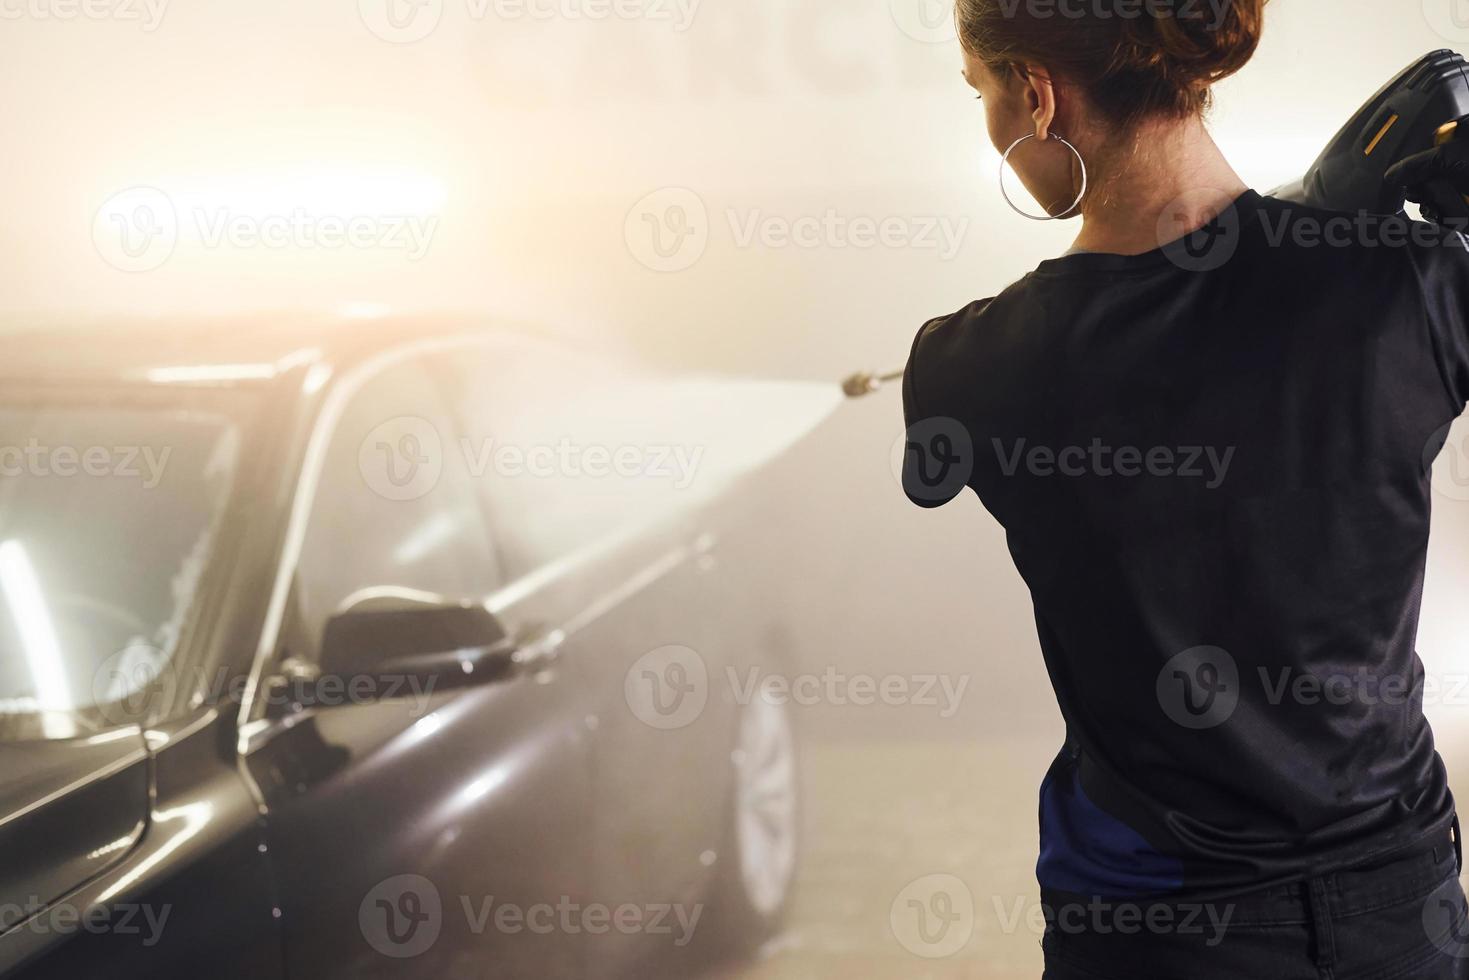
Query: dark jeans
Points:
[1404, 919]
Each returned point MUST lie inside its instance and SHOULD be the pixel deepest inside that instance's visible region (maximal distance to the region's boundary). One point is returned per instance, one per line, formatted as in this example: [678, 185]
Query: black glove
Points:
[1438, 179]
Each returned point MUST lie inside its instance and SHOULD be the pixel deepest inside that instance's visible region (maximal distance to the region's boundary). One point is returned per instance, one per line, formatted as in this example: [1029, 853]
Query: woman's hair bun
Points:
[1134, 58]
[1190, 43]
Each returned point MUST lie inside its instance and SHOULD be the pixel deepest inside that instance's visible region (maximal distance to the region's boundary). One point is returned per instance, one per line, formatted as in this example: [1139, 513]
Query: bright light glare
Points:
[204, 373]
[364, 311]
[37, 635]
[340, 193]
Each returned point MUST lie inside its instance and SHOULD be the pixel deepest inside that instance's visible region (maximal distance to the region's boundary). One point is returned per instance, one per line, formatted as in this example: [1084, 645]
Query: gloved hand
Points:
[1437, 180]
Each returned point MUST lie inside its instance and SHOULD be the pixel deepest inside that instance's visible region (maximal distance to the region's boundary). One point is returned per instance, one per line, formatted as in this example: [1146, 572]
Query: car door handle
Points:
[538, 650]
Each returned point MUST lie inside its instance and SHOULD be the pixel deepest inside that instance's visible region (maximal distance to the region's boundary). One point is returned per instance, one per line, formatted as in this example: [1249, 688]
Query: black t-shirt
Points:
[1212, 464]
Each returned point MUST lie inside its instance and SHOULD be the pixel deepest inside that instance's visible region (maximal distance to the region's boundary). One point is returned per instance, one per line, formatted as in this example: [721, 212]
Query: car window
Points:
[567, 450]
[108, 516]
[394, 511]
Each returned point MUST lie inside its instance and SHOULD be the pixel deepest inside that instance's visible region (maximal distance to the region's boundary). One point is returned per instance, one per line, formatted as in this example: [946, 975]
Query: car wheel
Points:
[758, 865]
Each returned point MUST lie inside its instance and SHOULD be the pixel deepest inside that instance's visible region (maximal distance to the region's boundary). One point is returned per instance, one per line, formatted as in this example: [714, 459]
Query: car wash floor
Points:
[891, 828]
[899, 831]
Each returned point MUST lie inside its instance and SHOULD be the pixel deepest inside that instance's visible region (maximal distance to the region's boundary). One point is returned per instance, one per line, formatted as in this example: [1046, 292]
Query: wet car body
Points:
[237, 817]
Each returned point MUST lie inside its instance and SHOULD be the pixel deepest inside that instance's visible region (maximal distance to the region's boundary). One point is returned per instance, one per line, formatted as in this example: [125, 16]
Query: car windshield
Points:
[107, 517]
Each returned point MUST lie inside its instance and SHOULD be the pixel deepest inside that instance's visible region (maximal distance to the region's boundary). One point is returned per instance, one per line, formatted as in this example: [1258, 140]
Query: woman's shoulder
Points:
[977, 324]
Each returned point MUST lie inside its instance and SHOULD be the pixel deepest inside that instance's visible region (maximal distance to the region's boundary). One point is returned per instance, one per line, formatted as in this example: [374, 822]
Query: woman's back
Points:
[1210, 461]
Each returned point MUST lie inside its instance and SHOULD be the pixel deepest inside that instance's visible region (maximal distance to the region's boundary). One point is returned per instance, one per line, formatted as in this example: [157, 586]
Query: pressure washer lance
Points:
[865, 383]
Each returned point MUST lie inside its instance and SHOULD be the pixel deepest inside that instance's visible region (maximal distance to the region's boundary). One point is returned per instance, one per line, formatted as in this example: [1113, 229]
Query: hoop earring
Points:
[1006, 194]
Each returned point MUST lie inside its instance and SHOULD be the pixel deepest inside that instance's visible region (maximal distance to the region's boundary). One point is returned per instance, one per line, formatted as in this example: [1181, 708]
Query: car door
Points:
[415, 833]
[581, 493]
[69, 809]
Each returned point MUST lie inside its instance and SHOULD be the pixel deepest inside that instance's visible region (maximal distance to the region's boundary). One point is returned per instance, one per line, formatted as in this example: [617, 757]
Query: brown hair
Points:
[1134, 58]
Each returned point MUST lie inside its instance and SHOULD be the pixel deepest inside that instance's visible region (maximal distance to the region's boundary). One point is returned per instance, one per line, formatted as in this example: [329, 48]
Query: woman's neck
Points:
[1168, 180]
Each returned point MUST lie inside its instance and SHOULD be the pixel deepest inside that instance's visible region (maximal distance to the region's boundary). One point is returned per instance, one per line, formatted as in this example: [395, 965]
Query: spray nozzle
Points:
[865, 383]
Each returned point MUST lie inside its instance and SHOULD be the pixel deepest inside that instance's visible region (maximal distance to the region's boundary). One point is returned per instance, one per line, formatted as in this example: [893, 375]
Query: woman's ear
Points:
[1040, 95]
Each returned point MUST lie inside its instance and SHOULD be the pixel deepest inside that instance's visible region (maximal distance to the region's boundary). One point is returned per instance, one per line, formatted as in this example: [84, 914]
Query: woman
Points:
[1204, 430]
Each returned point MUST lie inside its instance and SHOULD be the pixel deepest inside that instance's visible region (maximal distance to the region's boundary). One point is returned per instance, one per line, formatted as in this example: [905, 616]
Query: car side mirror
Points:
[433, 648]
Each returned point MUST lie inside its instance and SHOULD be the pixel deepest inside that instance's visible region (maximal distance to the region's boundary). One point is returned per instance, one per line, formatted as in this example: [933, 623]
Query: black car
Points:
[372, 649]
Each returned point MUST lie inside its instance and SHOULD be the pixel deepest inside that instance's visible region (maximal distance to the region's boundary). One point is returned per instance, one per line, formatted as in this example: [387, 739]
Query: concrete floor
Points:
[892, 822]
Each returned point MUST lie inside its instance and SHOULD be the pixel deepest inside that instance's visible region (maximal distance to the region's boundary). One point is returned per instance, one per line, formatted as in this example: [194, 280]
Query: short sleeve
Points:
[1443, 273]
[938, 454]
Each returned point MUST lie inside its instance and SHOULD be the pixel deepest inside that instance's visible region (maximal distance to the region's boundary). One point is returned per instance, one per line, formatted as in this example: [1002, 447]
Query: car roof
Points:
[215, 350]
